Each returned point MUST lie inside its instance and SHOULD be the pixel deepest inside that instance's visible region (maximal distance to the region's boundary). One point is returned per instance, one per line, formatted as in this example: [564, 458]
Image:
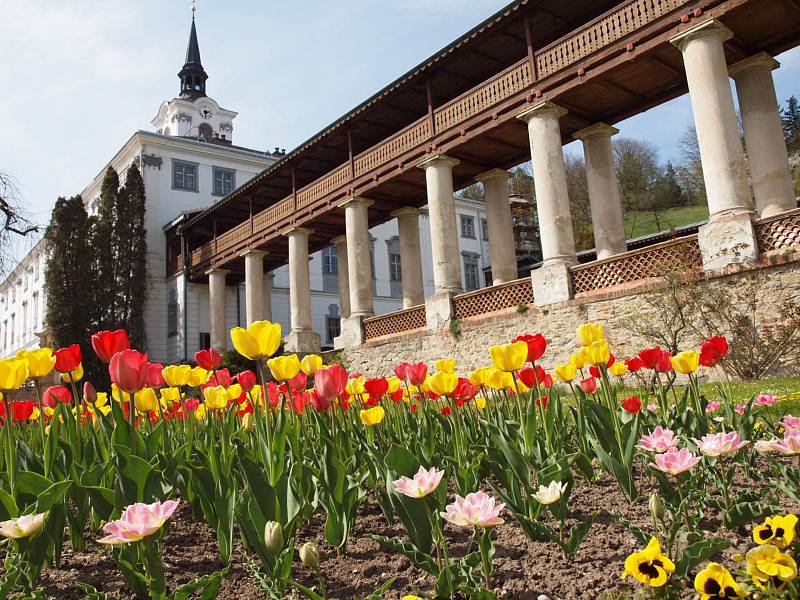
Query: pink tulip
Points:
[89, 393]
[413, 373]
[330, 382]
[789, 445]
[675, 461]
[138, 521]
[298, 382]
[712, 407]
[476, 510]
[423, 483]
[791, 423]
[740, 409]
[719, 444]
[660, 439]
[652, 407]
[766, 400]
[155, 379]
[128, 370]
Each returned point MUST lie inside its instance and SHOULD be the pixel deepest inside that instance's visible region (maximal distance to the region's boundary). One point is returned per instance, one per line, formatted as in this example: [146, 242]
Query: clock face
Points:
[204, 110]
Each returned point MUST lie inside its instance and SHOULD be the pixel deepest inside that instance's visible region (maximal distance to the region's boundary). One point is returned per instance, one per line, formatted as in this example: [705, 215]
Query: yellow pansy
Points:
[716, 582]
[445, 365]
[145, 400]
[589, 333]
[283, 368]
[598, 352]
[13, 373]
[443, 383]
[177, 375]
[649, 566]
[198, 376]
[685, 362]
[769, 567]
[261, 339]
[618, 369]
[73, 376]
[776, 530]
[509, 357]
[566, 372]
[372, 416]
[40, 361]
[311, 363]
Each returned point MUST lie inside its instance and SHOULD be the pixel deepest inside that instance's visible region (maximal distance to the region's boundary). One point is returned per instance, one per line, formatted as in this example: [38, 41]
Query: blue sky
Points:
[85, 74]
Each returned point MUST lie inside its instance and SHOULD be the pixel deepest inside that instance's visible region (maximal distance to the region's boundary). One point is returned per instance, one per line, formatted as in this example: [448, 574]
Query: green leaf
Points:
[576, 535]
[32, 484]
[52, 495]
[207, 585]
[102, 500]
[698, 552]
[378, 594]
[307, 591]
[426, 562]
[8, 506]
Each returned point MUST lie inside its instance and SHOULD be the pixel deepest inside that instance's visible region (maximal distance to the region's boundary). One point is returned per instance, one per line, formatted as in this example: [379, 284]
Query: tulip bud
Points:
[89, 393]
[309, 555]
[656, 506]
[273, 537]
[247, 424]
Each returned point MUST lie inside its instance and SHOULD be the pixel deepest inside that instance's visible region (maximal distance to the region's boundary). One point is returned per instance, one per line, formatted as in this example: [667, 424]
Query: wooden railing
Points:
[600, 33]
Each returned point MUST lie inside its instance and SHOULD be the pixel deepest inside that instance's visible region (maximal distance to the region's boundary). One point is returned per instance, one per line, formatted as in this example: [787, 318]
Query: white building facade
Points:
[188, 164]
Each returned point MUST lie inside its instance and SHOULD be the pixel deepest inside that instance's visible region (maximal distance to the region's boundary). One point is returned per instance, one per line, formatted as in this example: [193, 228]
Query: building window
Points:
[471, 271]
[467, 226]
[224, 181]
[205, 340]
[395, 267]
[172, 313]
[488, 280]
[184, 176]
[333, 326]
[35, 311]
[484, 230]
[330, 261]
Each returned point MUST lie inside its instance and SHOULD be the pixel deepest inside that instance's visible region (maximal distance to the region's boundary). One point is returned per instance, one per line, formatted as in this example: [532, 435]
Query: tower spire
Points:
[192, 75]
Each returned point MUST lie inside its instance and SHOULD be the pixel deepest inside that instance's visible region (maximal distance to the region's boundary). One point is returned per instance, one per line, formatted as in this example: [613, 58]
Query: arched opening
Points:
[206, 132]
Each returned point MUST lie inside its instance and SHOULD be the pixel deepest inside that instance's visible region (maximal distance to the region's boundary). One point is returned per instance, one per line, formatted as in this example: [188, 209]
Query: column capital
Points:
[439, 160]
[759, 61]
[305, 231]
[215, 271]
[253, 252]
[596, 130]
[339, 239]
[355, 201]
[500, 174]
[541, 109]
[710, 28]
[406, 211]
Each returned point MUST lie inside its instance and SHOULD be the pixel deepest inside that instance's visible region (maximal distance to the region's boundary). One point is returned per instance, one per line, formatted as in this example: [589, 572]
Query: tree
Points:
[472, 192]
[106, 261]
[15, 222]
[70, 280]
[637, 168]
[790, 116]
[578, 190]
[690, 167]
[667, 192]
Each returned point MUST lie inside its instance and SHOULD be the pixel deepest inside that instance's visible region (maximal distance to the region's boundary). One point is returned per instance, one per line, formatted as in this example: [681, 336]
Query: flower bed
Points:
[298, 479]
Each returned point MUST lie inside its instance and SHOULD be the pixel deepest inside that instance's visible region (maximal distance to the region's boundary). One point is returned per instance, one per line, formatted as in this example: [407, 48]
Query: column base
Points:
[439, 309]
[352, 334]
[302, 341]
[552, 284]
[728, 239]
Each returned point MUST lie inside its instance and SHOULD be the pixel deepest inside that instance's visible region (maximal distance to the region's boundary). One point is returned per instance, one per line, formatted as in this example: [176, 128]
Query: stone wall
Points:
[614, 307]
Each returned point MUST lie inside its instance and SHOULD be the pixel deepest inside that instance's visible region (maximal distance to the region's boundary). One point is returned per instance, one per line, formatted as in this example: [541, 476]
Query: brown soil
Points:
[523, 569]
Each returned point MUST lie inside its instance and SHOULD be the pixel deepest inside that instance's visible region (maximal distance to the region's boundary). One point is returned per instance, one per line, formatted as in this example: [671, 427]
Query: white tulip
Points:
[22, 527]
[551, 493]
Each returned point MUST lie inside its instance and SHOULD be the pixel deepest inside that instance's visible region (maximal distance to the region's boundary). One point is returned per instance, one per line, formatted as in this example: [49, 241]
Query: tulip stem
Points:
[10, 446]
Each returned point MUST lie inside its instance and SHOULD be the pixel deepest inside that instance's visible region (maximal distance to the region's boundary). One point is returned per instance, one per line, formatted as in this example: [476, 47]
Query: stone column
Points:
[344, 275]
[728, 238]
[217, 308]
[410, 256]
[301, 338]
[444, 239]
[268, 282]
[254, 288]
[551, 282]
[767, 157]
[606, 206]
[501, 227]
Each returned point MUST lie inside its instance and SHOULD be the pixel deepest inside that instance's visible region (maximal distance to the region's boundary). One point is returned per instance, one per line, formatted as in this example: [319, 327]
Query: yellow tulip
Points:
[588, 333]
[200, 413]
[235, 392]
[176, 375]
[215, 398]
[261, 339]
[567, 372]
[443, 383]
[102, 399]
[198, 376]
[509, 357]
[445, 365]
[73, 376]
[618, 369]
[311, 363]
[255, 396]
[372, 416]
[480, 402]
[13, 373]
[283, 368]
[580, 358]
[355, 386]
[498, 380]
[478, 376]
[170, 396]
[394, 384]
[686, 362]
[145, 400]
[40, 361]
[248, 422]
[35, 414]
[598, 352]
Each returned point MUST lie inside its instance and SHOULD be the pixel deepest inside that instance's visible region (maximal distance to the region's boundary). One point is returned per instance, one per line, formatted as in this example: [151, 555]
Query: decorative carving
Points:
[226, 126]
[180, 117]
[151, 160]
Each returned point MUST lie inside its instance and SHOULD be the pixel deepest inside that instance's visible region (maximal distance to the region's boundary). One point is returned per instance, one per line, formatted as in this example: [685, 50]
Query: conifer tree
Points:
[130, 243]
[105, 264]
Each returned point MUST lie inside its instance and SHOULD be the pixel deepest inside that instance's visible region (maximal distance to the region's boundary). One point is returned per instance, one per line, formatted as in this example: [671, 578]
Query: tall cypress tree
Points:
[106, 260]
[130, 242]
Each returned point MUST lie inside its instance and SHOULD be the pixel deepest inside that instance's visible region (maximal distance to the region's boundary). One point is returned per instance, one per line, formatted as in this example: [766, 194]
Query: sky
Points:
[80, 76]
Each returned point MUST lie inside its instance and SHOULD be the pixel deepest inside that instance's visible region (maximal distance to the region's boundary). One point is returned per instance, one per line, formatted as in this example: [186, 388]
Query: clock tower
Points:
[193, 114]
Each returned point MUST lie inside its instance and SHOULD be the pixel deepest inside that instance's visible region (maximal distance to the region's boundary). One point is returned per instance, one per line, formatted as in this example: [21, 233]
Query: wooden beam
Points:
[794, 4]
[493, 140]
[531, 50]
[431, 115]
[496, 61]
[577, 114]
[738, 48]
[666, 66]
[615, 87]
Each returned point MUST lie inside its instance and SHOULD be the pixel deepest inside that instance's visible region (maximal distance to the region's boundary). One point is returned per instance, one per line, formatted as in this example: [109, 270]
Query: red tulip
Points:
[107, 343]
[632, 404]
[416, 373]
[446, 411]
[397, 396]
[55, 394]
[208, 359]
[298, 382]
[191, 404]
[68, 359]
[376, 387]
[542, 402]
[532, 376]
[22, 409]
[652, 358]
[371, 401]
[464, 390]
[221, 377]
[594, 370]
[634, 364]
[246, 379]
[89, 392]
[589, 385]
[400, 371]
[414, 409]
[299, 401]
[664, 364]
[330, 382]
[274, 394]
[128, 370]
[712, 350]
[536, 345]
[319, 403]
[155, 379]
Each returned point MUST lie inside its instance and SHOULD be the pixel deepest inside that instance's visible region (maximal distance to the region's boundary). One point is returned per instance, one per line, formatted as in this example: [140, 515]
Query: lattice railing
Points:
[674, 256]
[406, 140]
[402, 321]
[602, 33]
[503, 86]
[778, 232]
[494, 298]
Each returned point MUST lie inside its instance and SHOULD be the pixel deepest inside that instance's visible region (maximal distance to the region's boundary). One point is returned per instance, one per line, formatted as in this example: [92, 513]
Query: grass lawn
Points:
[644, 223]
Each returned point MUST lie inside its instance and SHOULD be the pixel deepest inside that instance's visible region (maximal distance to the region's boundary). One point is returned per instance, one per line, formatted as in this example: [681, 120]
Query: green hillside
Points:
[643, 223]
